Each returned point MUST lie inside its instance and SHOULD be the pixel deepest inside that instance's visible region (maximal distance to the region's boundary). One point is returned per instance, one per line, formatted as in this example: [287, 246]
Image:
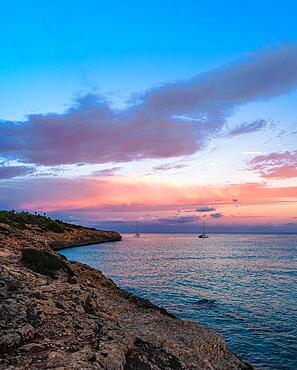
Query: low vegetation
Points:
[44, 263]
[25, 220]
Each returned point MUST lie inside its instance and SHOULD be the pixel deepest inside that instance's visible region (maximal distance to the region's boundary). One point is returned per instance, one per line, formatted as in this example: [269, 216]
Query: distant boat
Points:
[203, 235]
[136, 235]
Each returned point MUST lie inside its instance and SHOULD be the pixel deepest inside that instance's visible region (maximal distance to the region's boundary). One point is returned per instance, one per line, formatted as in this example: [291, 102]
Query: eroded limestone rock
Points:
[55, 322]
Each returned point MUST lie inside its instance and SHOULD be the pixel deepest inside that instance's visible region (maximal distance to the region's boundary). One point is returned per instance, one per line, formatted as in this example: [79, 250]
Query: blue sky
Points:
[52, 50]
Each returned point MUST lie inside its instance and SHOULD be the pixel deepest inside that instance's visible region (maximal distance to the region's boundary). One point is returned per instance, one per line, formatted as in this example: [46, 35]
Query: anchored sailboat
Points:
[136, 235]
[203, 235]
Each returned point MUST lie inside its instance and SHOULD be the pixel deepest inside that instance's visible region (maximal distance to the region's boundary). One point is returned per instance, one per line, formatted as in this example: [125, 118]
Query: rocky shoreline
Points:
[57, 314]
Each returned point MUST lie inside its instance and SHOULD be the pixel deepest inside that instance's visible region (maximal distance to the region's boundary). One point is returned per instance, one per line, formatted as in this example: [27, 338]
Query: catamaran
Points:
[203, 235]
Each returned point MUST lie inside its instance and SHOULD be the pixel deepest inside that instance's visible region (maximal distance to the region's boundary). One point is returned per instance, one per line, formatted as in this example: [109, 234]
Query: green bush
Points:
[17, 225]
[44, 263]
[54, 226]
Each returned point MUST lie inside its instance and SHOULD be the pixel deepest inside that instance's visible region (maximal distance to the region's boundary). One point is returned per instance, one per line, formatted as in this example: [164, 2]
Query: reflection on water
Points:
[250, 280]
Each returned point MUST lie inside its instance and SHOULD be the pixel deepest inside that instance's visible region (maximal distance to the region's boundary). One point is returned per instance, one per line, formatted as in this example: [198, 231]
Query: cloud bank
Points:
[170, 120]
[148, 226]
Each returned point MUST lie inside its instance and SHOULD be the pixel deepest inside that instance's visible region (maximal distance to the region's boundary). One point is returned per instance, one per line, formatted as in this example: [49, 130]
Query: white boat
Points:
[136, 235]
[203, 235]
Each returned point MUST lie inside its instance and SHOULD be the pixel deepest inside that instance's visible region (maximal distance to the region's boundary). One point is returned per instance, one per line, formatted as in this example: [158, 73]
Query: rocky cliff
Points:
[56, 314]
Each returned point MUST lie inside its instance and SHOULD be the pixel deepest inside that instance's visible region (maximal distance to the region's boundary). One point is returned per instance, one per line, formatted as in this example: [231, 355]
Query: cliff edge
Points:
[57, 314]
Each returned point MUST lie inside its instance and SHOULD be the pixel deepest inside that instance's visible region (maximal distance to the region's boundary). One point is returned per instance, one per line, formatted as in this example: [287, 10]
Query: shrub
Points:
[44, 263]
[17, 225]
[54, 226]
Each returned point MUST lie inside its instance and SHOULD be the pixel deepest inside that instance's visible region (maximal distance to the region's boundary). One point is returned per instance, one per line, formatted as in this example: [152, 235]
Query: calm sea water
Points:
[251, 280]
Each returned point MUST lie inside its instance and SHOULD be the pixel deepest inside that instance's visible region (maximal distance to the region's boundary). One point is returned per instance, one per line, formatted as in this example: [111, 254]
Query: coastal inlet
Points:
[243, 286]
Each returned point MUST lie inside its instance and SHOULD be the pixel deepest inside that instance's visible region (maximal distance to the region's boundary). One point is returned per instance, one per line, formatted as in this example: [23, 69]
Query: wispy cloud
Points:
[248, 127]
[168, 167]
[278, 165]
[105, 172]
[171, 120]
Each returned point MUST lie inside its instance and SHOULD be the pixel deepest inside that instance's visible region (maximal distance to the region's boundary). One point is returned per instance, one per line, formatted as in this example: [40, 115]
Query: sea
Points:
[244, 286]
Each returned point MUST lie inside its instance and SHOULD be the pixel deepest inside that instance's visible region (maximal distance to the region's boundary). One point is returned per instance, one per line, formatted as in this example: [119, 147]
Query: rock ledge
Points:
[70, 316]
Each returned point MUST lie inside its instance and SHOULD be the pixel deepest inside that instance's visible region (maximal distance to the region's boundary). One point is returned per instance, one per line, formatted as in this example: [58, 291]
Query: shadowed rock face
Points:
[76, 318]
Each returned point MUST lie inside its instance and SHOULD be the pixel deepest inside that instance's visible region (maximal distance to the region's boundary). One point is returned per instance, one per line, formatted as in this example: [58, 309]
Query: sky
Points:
[169, 114]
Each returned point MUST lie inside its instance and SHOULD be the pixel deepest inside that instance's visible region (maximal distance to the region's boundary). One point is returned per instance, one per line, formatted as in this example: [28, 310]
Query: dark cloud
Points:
[148, 226]
[205, 209]
[168, 121]
[248, 127]
[279, 165]
[216, 215]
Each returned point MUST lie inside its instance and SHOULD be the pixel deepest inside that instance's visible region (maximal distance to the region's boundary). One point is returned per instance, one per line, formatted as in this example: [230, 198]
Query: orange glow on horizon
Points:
[240, 203]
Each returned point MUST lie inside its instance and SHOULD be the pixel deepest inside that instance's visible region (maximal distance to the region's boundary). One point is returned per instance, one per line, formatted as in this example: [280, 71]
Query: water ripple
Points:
[251, 280]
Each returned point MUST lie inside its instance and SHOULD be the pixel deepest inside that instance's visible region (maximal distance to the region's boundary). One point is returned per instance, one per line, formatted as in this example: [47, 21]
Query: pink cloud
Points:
[275, 165]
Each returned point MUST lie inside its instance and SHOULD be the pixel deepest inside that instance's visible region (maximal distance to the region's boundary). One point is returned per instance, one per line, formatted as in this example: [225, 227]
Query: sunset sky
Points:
[168, 113]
